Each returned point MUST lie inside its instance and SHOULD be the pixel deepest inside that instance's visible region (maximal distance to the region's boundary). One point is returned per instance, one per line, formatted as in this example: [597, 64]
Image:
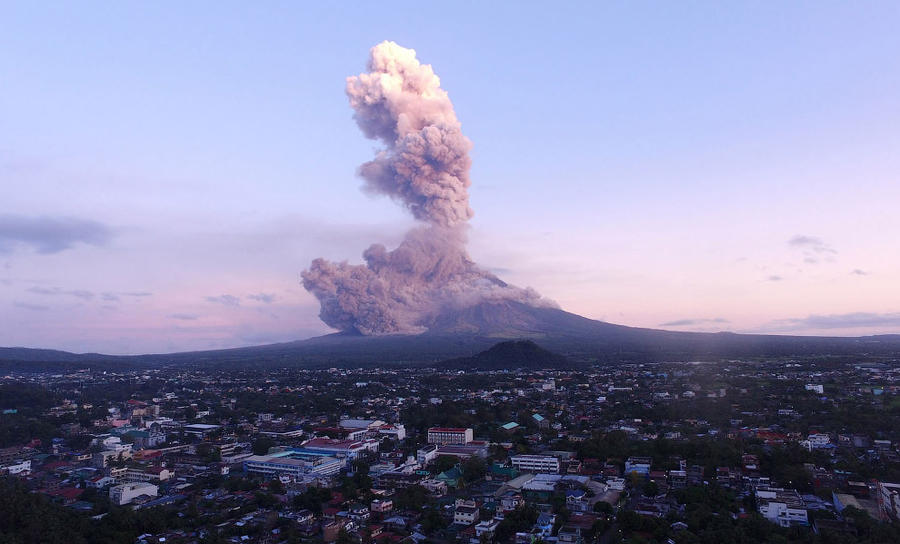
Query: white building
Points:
[125, 493]
[782, 506]
[426, 454]
[151, 474]
[16, 467]
[466, 512]
[396, 432]
[100, 481]
[449, 435]
[536, 463]
[818, 388]
[295, 465]
[487, 528]
[816, 441]
[889, 500]
[101, 459]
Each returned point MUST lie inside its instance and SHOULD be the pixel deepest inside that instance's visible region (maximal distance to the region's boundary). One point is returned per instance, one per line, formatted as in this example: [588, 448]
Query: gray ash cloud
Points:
[424, 165]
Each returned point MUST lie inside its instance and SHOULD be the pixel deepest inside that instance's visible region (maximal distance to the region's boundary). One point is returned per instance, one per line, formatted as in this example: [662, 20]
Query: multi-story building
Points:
[295, 465]
[466, 512]
[125, 493]
[16, 467]
[536, 463]
[150, 474]
[782, 506]
[449, 435]
[889, 500]
[349, 449]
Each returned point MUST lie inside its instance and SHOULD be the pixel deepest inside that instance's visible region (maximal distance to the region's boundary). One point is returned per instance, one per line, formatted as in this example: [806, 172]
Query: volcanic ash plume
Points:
[425, 165]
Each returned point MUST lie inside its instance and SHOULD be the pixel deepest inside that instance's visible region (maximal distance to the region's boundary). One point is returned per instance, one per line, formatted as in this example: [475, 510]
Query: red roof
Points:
[70, 493]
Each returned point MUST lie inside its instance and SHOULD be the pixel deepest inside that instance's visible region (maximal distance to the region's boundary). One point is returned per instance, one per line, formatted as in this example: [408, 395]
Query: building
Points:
[147, 439]
[449, 435]
[150, 474]
[100, 481]
[817, 441]
[536, 463]
[349, 449]
[466, 512]
[782, 506]
[641, 465]
[16, 467]
[487, 528]
[381, 505]
[293, 464]
[472, 449]
[426, 454]
[395, 432]
[101, 459]
[125, 493]
[200, 430]
[889, 500]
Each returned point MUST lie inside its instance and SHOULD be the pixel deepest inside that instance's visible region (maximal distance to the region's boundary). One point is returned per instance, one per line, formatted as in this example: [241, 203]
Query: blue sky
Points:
[700, 165]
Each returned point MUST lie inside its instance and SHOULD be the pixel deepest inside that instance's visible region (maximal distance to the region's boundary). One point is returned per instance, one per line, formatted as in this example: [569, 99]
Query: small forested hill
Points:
[510, 355]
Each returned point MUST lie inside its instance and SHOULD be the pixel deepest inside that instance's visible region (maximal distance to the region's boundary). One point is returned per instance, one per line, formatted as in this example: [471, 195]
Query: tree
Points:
[261, 445]
[276, 487]
[474, 468]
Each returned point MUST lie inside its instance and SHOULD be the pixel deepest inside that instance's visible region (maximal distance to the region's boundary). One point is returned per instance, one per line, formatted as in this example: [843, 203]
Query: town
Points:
[749, 451]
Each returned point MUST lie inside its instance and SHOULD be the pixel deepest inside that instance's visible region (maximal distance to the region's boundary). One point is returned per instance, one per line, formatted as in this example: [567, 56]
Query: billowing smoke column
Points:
[424, 165]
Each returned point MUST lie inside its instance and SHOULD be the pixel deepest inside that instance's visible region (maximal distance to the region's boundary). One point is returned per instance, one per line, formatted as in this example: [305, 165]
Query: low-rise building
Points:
[450, 435]
[782, 506]
[125, 493]
[536, 463]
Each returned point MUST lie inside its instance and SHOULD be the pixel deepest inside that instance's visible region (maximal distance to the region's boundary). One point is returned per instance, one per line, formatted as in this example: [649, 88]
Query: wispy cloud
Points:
[265, 298]
[836, 321]
[28, 306]
[814, 249]
[858, 272]
[774, 278]
[50, 234]
[696, 321]
[811, 243]
[225, 300]
[183, 317]
[55, 291]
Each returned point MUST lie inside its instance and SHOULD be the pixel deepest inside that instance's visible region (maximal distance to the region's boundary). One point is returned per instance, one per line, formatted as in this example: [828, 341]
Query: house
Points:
[450, 477]
[486, 529]
[100, 481]
[782, 506]
[641, 465]
[510, 500]
[466, 512]
[576, 500]
[382, 506]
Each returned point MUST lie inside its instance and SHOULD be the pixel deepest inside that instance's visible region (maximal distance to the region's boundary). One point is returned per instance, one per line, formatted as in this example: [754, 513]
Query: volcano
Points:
[474, 329]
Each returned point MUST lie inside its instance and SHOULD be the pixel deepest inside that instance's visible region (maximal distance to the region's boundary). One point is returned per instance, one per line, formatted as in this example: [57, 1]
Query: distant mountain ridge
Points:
[467, 332]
